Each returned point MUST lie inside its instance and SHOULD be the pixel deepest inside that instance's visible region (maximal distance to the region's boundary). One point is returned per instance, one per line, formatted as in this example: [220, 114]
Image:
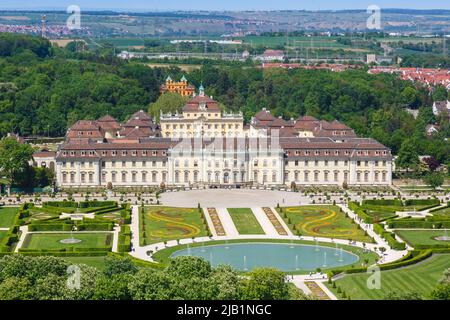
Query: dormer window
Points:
[316, 152]
[91, 153]
[134, 153]
[72, 153]
[114, 153]
[154, 153]
[124, 153]
[144, 153]
[103, 153]
[83, 153]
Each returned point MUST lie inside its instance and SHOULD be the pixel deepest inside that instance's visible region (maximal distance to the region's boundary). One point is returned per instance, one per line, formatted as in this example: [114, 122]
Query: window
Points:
[83, 177]
[113, 164]
[306, 174]
[91, 177]
[72, 177]
[366, 176]
[377, 176]
[358, 176]
[124, 177]
[113, 177]
[133, 163]
[186, 176]
[274, 176]
[336, 163]
[154, 176]
[195, 176]
[144, 163]
[177, 176]
[124, 164]
[316, 176]
[133, 176]
[383, 176]
[325, 176]
[64, 177]
[144, 176]
[296, 163]
[336, 176]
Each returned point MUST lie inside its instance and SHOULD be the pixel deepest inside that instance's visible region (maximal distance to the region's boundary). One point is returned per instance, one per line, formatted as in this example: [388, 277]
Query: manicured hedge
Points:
[96, 203]
[124, 239]
[61, 204]
[125, 213]
[68, 226]
[414, 223]
[394, 244]
[360, 212]
[378, 229]
[383, 202]
[422, 202]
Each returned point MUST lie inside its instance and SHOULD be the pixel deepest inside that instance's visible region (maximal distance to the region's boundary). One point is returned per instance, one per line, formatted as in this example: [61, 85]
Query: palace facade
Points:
[181, 87]
[202, 146]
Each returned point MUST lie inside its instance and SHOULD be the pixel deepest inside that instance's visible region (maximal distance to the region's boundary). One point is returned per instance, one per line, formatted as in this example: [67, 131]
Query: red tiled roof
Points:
[195, 103]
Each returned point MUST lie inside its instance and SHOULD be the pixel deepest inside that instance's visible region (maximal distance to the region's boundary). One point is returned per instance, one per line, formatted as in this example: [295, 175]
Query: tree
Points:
[432, 163]
[434, 179]
[14, 157]
[408, 157]
[167, 102]
[265, 284]
[394, 295]
[122, 265]
[442, 291]
[149, 284]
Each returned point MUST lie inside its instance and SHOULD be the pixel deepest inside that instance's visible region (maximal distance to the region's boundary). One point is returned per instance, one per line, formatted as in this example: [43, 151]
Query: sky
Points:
[231, 5]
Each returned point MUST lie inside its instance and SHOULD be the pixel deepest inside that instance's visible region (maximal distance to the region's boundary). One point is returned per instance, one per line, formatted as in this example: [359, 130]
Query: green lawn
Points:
[414, 237]
[322, 221]
[7, 215]
[245, 221]
[51, 240]
[421, 277]
[169, 223]
[444, 212]
[96, 262]
[2, 234]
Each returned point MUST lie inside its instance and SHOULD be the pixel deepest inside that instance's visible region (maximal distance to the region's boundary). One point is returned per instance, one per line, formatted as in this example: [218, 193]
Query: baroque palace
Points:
[203, 146]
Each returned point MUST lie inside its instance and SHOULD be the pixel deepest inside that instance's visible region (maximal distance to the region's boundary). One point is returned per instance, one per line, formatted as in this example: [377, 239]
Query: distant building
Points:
[245, 54]
[442, 109]
[431, 129]
[271, 55]
[181, 87]
[201, 117]
[44, 159]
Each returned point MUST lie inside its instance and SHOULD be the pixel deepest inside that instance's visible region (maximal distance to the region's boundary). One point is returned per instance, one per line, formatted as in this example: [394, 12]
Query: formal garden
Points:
[418, 280]
[245, 221]
[160, 224]
[322, 221]
[67, 228]
[7, 216]
[374, 211]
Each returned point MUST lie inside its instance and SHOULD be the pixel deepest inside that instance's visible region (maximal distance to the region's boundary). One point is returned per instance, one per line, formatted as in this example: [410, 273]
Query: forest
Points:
[44, 89]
